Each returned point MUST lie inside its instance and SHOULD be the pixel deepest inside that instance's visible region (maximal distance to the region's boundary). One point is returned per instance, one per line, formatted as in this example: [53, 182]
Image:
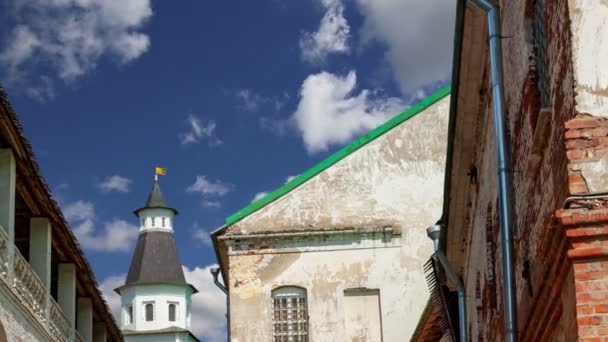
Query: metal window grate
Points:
[290, 315]
[172, 312]
[149, 312]
[540, 48]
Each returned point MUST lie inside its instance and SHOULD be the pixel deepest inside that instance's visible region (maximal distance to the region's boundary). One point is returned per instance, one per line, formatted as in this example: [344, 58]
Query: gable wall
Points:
[395, 180]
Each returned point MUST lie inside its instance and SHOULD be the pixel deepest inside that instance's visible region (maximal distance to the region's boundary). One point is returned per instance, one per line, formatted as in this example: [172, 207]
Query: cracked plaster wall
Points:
[589, 26]
[396, 180]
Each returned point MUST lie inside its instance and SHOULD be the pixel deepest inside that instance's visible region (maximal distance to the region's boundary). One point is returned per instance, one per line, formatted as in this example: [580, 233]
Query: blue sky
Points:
[232, 97]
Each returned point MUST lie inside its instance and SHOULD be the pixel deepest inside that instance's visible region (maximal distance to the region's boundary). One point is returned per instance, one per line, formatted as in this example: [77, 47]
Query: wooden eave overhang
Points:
[469, 84]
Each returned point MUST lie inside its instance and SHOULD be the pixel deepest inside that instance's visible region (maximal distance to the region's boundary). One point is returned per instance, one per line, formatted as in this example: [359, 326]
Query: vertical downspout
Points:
[505, 172]
[434, 232]
[215, 272]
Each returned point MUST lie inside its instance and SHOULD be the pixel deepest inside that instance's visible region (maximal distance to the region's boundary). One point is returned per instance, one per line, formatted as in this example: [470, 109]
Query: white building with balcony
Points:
[156, 299]
[48, 291]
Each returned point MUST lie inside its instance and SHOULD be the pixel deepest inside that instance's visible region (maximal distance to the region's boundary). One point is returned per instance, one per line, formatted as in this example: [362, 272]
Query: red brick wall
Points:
[544, 276]
[585, 222]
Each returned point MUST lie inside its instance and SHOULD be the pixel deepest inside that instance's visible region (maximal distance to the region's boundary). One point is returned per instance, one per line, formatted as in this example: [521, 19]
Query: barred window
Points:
[172, 312]
[149, 309]
[540, 49]
[289, 315]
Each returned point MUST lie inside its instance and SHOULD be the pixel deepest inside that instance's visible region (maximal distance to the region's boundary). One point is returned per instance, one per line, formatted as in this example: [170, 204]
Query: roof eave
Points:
[125, 286]
[458, 30]
[136, 212]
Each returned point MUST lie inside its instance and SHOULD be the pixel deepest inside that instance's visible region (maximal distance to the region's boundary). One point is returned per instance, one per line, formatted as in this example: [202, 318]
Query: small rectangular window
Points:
[172, 312]
[540, 50]
[163, 222]
[149, 312]
[289, 315]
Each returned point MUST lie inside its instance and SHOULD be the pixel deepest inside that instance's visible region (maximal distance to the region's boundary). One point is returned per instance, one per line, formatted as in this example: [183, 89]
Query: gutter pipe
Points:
[215, 272]
[434, 233]
[505, 172]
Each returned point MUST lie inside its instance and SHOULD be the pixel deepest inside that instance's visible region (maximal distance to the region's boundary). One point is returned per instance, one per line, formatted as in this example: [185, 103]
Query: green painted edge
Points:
[341, 154]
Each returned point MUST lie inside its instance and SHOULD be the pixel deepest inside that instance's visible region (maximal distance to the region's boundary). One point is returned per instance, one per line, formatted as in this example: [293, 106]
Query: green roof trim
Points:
[341, 154]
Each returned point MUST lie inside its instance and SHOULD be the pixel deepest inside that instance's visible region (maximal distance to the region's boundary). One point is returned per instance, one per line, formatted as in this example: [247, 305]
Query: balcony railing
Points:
[4, 259]
[27, 286]
[58, 323]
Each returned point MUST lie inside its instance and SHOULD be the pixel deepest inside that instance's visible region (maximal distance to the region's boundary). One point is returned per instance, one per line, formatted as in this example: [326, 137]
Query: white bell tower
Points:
[156, 299]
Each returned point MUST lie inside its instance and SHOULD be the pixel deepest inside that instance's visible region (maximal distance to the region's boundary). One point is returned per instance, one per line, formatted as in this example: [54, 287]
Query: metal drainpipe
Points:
[434, 232]
[505, 173]
[215, 272]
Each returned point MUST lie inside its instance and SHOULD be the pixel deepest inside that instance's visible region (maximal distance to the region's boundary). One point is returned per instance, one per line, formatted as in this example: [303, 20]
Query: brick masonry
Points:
[585, 222]
[17, 322]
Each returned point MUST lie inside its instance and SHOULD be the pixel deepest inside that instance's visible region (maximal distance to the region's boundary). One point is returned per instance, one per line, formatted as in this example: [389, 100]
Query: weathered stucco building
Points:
[337, 254]
[556, 104]
[47, 288]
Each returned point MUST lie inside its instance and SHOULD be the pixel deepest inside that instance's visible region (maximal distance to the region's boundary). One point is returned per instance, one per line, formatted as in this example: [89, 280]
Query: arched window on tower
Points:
[153, 222]
[172, 312]
[163, 219]
[149, 312]
[289, 314]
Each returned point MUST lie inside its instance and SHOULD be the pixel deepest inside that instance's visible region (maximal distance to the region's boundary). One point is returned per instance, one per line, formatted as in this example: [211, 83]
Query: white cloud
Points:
[43, 90]
[107, 287]
[115, 183]
[208, 305]
[331, 36]
[259, 196]
[79, 211]
[290, 178]
[206, 187]
[201, 234]
[68, 37]
[331, 113]
[210, 190]
[252, 101]
[418, 36]
[20, 48]
[211, 204]
[198, 131]
[116, 235]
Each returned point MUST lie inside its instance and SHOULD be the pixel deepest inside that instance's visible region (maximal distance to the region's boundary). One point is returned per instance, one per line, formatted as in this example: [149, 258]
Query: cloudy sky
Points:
[232, 97]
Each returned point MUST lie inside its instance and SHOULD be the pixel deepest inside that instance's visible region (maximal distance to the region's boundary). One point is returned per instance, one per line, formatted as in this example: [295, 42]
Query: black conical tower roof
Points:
[155, 260]
[155, 200]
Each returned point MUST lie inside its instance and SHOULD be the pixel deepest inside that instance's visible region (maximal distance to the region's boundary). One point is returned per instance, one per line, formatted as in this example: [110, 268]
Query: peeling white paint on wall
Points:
[394, 181]
[589, 20]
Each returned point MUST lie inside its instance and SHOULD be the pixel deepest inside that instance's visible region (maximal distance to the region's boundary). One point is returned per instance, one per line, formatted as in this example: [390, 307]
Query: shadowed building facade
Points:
[556, 119]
